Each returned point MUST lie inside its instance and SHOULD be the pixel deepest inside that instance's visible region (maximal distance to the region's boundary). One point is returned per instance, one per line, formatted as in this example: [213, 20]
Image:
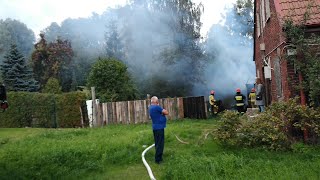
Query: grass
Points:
[114, 152]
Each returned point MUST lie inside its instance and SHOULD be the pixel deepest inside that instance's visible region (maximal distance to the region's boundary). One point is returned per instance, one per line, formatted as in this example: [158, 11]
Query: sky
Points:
[39, 14]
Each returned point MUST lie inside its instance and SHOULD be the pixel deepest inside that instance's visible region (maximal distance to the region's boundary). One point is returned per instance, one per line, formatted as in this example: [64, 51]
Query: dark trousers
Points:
[212, 109]
[159, 144]
[240, 109]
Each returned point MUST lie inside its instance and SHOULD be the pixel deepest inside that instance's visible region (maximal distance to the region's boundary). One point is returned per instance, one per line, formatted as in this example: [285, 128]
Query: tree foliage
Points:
[244, 10]
[53, 60]
[165, 37]
[17, 76]
[114, 46]
[15, 32]
[307, 60]
[86, 36]
[52, 86]
[111, 80]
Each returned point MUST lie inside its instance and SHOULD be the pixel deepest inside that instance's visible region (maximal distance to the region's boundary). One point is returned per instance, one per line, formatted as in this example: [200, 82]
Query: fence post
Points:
[82, 124]
[94, 107]
[148, 104]
[54, 113]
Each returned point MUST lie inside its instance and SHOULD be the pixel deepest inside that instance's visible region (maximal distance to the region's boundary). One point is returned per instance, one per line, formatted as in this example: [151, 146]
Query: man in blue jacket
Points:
[159, 120]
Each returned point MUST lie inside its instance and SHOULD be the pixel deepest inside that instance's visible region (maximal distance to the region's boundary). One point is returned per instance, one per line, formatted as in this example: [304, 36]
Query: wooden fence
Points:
[134, 112]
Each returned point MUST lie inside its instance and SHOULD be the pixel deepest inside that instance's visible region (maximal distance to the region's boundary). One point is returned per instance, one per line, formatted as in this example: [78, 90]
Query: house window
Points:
[277, 74]
[267, 10]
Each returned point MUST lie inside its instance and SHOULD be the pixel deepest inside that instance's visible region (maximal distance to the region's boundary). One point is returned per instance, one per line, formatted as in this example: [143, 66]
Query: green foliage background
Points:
[307, 60]
[278, 128]
[43, 110]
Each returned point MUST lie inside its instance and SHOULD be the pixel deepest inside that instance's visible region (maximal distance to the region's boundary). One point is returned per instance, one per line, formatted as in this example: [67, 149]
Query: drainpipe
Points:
[302, 94]
[254, 30]
[303, 103]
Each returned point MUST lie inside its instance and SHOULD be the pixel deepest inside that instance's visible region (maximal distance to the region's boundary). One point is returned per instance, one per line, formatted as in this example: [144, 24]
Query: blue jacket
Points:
[158, 119]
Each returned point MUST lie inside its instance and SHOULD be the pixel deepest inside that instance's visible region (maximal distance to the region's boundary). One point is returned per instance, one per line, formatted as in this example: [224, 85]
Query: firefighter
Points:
[252, 98]
[240, 98]
[213, 106]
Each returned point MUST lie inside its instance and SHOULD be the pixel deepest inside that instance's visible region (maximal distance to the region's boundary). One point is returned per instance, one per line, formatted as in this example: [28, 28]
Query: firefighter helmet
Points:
[253, 90]
[238, 90]
[212, 92]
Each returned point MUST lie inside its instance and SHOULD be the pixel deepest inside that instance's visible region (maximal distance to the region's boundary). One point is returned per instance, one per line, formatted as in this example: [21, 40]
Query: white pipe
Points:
[146, 164]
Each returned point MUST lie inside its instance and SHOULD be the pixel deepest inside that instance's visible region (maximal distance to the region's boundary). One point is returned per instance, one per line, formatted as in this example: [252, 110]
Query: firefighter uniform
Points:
[240, 98]
[213, 106]
[252, 99]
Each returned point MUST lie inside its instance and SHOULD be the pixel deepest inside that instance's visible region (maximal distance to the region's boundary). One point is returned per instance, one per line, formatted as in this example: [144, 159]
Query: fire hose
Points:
[146, 164]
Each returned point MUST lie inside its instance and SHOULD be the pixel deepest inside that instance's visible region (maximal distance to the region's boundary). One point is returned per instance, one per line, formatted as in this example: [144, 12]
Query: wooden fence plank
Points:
[180, 108]
[134, 112]
[131, 112]
[137, 111]
[109, 113]
[114, 113]
[104, 114]
[125, 112]
[145, 111]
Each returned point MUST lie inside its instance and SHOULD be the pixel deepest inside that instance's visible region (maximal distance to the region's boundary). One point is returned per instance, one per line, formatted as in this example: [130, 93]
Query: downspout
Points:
[303, 102]
[302, 94]
[254, 30]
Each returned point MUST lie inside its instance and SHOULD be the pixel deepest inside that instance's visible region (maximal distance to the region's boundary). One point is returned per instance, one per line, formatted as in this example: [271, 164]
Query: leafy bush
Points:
[52, 86]
[278, 128]
[43, 110]
[228, 127]
[112, 81]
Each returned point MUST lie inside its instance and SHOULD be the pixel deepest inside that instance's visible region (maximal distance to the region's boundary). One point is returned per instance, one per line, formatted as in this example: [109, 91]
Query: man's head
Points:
[154, 100]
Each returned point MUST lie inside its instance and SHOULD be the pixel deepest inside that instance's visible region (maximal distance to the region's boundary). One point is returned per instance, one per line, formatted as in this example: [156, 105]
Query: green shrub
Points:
[278, 128]
[264, 131]
[52, 86]
[228, 127]
[43, 110]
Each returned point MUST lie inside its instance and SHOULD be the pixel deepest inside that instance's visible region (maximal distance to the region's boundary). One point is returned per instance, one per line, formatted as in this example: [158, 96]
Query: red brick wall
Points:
[274, 38]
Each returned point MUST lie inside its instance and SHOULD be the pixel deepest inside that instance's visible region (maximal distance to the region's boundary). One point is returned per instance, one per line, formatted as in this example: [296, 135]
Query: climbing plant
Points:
[306, 58]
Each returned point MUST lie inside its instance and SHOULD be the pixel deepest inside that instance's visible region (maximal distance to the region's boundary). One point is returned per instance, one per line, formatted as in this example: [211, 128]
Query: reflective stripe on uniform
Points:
[239, 98]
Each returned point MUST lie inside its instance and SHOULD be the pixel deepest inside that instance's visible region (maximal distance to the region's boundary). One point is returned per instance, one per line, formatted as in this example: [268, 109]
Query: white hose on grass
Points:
[146, 164]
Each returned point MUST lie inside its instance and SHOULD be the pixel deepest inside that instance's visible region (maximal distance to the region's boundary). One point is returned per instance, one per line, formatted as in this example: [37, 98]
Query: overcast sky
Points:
[38, 14]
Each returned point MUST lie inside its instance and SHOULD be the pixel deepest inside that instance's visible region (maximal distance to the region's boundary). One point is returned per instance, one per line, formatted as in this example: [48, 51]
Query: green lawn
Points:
[114, 152]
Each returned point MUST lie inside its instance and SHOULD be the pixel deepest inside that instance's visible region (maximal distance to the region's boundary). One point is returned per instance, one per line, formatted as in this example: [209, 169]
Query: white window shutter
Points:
[267, 10]
[258, 25]
[263, 14]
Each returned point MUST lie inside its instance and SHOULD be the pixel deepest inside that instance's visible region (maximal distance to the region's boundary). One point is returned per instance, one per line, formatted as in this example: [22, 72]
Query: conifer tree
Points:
[16, 75]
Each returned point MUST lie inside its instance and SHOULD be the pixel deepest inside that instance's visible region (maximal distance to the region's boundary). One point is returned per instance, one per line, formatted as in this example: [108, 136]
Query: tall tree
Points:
[112, 80]
[228, 49]
[53, 60]
[161, 36]
[114, 46]
[239, 19]
[17, 76]
[86, 36]
[16, 32]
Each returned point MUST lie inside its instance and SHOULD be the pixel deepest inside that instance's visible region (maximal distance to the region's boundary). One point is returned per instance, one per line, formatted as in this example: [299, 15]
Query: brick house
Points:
[270, 44]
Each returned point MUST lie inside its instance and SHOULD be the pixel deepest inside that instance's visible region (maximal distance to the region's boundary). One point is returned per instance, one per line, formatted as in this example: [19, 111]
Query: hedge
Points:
[28, 109]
